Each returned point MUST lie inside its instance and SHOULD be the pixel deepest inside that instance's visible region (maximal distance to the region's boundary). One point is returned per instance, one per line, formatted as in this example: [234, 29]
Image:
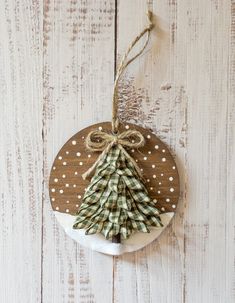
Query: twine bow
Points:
[103, 141]
[98, 140]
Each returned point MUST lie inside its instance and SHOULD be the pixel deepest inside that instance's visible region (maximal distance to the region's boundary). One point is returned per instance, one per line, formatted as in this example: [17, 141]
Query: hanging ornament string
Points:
[103, 141]
[123, 65]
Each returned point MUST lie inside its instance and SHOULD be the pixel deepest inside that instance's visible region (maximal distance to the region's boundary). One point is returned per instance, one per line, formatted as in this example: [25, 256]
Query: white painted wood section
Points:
[57, 64]
[156, 272]
[20, 151]
[78, 77]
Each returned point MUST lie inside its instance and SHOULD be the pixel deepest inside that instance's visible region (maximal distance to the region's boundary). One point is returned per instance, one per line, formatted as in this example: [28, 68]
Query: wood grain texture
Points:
[20, 151]
[156, 272]
[205, 217]
[67, 187]
[183, 88]
[78, 77]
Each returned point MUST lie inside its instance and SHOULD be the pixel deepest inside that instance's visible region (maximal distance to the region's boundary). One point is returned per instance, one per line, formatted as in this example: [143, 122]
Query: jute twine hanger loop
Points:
[123, 65]
[99, 140]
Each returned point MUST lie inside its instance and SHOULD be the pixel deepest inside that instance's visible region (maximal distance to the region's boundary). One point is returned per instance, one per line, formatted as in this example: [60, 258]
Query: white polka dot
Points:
[145, 158]
[162, 175]
[54, 167]
[52, 199]
[132, 150]
[89, 156]
[100, 127]
[156, 147]
[64, 163]
[155, 200]
[149, 152]
[53, 190]
[66, 185]
[83, 137]
[79, 196]
[163, 208]
[168, 200]
[63, 176]
[136, 160]
[148, 136]
[80, 163]
[163, 159]
[57, 208]
[60, 158]
[74, 185]
[56, 180]
[151, 188]
[148, 180]
[158, 191]
[74, 142]
[160, 183]
[61, 191]
[75, 173]
[171, 178]
[127, 127]
[173, 167]
[173, 206]
[163, 150]
[153, 166]
[172, 189]
[133, 141]
[67, 152]
[67, 201]
[78, 154]
[141, 169]
[77, 205]
[67, 210]
[154, 176]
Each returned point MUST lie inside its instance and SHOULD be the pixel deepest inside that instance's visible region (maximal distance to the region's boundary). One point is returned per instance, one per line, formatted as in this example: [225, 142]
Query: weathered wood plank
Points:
[20, 151]
[78, 78]
[207, 36]
[153, 96]
[230, 195]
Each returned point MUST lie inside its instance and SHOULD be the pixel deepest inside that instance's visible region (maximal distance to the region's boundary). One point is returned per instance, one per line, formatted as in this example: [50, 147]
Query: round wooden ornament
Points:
[134, 186]
[67, 186]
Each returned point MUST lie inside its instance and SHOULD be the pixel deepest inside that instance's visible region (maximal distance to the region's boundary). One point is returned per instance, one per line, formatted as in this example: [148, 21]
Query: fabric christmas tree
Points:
[116, 202]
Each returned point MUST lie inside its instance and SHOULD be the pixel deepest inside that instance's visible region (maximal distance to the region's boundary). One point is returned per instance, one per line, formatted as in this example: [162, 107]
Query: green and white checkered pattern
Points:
[116, 201]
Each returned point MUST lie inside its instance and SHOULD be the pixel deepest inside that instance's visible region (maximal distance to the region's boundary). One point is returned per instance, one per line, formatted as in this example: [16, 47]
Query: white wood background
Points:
[57, 63]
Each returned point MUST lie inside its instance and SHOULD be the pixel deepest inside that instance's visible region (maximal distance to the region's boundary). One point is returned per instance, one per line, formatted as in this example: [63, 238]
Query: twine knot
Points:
[115, 140]
[150, 18]
[99, 140]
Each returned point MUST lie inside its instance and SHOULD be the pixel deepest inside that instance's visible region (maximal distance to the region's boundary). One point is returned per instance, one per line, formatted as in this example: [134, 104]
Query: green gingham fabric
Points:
[116, 201]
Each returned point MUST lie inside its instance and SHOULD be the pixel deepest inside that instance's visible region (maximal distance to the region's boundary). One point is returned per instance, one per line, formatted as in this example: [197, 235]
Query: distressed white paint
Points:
[20, 151]
[183, 88]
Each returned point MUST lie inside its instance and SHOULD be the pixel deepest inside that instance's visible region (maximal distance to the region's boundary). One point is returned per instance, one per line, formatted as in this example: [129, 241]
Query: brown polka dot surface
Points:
[67, 187]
